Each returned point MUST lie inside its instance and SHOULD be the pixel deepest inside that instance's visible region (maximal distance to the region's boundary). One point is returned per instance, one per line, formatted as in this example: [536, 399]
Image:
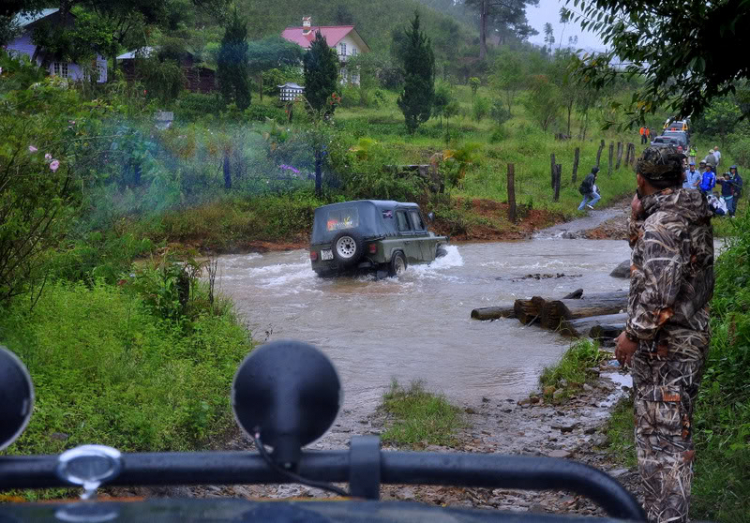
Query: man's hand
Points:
[624, 349]
[636, 207]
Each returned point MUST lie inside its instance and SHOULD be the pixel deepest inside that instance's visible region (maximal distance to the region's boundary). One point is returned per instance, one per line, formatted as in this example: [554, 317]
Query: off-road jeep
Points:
[371, 235]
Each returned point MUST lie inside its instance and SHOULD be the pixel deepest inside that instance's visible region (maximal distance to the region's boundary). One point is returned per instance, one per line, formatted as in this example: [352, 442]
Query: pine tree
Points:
[233, 73]
[419, 78]
[321, 74]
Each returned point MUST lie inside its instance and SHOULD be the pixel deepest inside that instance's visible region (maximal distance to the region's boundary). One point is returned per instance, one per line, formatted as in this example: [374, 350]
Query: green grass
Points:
[620, 432]
[571, 372]
[107, 370]
[419, 417]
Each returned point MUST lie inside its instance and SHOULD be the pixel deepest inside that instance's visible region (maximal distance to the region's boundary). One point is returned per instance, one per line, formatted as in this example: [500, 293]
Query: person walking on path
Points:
[711, 158]
[731, 189]
[708, 180]
[737, 183]
[589, 190]
[666, 337]
[727, 191]
[693, 153]
[692, 178]
[643, 135]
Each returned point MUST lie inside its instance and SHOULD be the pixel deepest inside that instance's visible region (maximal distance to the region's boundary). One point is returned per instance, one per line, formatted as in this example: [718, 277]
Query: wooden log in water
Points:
[494, 313]
[607, 332]
[555, 311]
[600, 324]
[529, 311]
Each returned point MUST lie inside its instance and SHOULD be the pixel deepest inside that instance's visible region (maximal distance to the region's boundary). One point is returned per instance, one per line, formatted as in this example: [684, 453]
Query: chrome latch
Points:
[89, 466]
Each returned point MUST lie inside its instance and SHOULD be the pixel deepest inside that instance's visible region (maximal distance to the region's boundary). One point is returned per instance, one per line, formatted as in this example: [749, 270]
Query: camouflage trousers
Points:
[666, 380]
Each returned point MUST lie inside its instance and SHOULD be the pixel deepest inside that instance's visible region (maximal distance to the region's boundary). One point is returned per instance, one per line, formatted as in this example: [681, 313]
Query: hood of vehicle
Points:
[240, 511]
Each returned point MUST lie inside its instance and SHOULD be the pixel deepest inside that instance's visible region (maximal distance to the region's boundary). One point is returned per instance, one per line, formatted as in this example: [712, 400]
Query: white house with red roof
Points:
[343, 38]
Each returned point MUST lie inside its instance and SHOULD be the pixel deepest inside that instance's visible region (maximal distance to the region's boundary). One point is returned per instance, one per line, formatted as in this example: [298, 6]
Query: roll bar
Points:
[364, 466]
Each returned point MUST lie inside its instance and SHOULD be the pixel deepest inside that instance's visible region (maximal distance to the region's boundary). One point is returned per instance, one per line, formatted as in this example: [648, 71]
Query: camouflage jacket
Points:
[672, 265]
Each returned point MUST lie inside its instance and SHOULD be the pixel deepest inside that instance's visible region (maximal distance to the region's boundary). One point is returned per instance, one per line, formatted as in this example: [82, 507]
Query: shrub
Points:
[261, 113]
[193, 106]
[107, 371]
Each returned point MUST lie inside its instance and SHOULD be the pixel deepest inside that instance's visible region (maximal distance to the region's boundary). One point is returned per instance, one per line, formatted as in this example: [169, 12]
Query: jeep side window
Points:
[402, 221]
[416, 220]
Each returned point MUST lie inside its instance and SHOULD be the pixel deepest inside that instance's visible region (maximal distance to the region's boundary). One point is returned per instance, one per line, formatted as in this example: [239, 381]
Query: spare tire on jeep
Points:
[348, 248]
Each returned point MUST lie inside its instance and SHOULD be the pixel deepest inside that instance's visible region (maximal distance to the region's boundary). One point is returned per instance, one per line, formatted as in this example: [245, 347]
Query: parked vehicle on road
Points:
[680, 137]
[381, 235]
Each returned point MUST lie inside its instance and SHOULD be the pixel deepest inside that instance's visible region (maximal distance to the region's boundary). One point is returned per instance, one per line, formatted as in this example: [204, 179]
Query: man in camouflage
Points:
[667, 335]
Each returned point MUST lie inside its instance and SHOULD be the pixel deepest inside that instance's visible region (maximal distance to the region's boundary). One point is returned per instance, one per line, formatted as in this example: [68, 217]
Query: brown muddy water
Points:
[418, 327]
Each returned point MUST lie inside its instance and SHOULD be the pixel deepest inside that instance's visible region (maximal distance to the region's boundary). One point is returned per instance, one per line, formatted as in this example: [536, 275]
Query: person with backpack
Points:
[589, 190]
[708, 182]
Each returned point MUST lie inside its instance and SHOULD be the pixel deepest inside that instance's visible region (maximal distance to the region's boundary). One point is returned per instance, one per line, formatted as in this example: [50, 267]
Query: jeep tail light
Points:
[313, 255]
[373, 248]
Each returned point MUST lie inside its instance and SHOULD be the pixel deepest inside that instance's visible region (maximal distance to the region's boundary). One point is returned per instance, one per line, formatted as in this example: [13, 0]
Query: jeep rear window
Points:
[340, 219]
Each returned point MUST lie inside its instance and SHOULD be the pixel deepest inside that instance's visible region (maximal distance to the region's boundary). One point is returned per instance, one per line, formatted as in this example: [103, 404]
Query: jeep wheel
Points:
[347, 248]
[441, 251]
[398, 264]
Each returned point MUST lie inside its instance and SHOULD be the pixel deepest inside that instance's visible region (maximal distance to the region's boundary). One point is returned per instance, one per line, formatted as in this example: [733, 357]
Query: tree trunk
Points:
[483, 18]
[576, 160]
[552, 165]
[494, 313]
[583, 326]
[611, 155]
[570, 112]
[599, 153]
[318, 173]
[594, 305]
[227, 171]
[511, 193]
[619, 156]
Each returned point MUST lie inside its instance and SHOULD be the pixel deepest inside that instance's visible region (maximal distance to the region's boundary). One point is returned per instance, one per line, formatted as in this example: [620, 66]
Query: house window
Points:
[354, 51]
[342, 49]
[60, 69]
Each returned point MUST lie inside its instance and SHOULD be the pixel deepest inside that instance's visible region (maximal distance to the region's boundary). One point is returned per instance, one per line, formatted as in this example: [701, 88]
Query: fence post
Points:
[632, 153]
[511, 193]
[558, 176]
[599, 153]
[619, 155]
[576, 159]
[611, 155]
[552, 164]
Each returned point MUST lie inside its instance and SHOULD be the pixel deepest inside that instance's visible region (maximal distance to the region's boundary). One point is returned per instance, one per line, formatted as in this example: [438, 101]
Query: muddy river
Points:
[418, 327]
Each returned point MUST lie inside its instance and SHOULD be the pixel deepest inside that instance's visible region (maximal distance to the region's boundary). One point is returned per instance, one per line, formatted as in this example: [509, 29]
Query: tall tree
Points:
[543, 100]
[649, 37]
[419, 79]
[508, 76]
[321, 75]
[271, 53]
[501, 17]
[233, 73]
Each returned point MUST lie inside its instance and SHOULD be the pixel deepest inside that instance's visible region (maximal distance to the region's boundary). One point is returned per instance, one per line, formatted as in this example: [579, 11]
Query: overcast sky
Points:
[549, 11]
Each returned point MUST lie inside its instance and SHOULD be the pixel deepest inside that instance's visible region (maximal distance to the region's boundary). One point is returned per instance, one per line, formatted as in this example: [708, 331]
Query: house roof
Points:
[130, 55]
[332, 33]
[24, 19]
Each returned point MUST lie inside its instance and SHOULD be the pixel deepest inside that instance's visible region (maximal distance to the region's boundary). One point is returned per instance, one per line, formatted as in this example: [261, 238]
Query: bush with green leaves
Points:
[107, 370]
[480, 108]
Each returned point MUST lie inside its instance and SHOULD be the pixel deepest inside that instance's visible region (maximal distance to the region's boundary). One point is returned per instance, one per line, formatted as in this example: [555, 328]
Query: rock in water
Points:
[622, 270]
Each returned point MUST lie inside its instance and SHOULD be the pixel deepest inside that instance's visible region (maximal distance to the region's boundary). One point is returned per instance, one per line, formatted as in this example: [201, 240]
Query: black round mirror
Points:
[16, 397]
[289, 393]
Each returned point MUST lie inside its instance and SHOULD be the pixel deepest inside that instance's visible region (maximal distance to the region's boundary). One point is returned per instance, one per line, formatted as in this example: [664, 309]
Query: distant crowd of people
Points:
[704, 178]
[701, 178]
